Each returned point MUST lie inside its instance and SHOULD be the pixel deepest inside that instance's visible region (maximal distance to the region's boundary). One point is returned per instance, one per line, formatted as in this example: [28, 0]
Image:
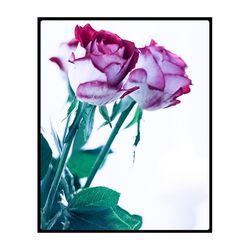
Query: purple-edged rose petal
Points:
[82, 70]
[160, 76]
[97, 93]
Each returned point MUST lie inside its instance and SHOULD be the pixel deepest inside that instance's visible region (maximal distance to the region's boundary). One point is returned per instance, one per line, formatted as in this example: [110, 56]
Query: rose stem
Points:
[107, 146]
[65, 151]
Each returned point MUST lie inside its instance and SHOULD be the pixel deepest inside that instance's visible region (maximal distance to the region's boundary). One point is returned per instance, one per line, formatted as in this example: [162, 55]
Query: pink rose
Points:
[96, 73]
[66, 49]
[160, 76]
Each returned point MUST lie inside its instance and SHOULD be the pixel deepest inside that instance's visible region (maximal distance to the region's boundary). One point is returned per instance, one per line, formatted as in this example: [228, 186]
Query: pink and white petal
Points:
[94, 49]
[170, 68]
[112, 72]
[129, 91]
[107, 48]
[138, 76]
[97, 93]
[83, 70]
[176, 59]
[157, 52]
[144, 95]
[101, 62]
[174, 82]
[120, 52]
[155, 77]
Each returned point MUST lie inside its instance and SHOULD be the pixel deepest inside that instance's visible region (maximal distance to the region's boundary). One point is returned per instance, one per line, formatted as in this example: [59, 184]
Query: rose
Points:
[100, 64]
[160, 76]
[65, 51]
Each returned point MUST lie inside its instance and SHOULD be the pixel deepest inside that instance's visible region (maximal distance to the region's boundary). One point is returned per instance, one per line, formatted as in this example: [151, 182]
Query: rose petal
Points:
[120, 52]
[145, 96]
[138, 76]
[170, 68]
[94, 49]
[155, 77]
[73, 43]
[107, 48]
[112, 72]
[58, 62]
[176, 59]
[101, 62]
[129, 91]
[84, 34]
[174, 82]
[164, 61]
[108, 38]
[83, 70]
[97, 92]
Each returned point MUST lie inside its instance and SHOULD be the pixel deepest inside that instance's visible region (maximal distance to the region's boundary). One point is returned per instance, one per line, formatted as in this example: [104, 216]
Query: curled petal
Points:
[97, 92]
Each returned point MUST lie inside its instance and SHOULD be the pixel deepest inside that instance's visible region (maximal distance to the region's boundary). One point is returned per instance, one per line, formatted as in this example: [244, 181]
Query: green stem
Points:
[107, 146]
[61, 165]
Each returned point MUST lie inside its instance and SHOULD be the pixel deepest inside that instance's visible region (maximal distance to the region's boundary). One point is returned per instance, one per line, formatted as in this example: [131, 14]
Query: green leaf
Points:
[112, 218]
[104, 112]
[56, 138]
[85, 128]
[93, 198]
[63, 187]
[115, 110]
[73, 106]
[81, 162]
[118, 107]
[137, 117]
[46, 155]
[71, 93]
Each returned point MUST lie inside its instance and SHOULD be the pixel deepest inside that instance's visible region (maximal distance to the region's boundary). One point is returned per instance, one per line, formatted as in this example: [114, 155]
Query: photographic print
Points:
[124, 125]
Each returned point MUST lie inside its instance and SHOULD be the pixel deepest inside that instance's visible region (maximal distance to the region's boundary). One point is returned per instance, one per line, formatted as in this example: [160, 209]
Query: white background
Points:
[231, 125]
[168, 185]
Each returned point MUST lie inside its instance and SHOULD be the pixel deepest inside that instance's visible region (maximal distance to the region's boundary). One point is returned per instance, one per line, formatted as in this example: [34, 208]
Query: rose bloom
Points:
[160, 76]
[99, 65]
[65, 51]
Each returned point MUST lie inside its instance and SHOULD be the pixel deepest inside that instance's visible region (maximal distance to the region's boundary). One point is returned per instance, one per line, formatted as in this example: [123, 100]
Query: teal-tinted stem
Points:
[107, 146]
[61, 165]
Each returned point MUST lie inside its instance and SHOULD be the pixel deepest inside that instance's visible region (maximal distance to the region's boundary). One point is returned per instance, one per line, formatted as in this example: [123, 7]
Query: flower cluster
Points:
[103, 67]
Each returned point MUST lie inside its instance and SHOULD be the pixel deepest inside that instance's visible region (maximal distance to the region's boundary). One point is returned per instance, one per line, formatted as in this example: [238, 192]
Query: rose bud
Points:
[61, 60]
[96, 73]
[160, 76]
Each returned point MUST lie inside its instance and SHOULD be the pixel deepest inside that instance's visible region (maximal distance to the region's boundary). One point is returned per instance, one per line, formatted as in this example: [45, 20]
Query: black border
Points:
[39, 20]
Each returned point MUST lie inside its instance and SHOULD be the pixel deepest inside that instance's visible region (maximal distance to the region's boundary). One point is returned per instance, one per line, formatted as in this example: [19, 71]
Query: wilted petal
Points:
[97, 93]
